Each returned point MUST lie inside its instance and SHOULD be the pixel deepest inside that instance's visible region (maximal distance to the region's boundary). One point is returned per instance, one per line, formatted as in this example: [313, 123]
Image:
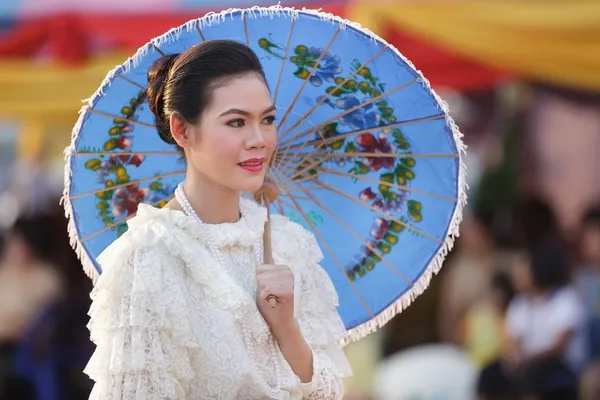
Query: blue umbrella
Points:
[368, 158]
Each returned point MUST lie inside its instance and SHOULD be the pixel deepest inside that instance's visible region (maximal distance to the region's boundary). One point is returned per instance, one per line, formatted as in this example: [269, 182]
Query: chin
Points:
[250, 185]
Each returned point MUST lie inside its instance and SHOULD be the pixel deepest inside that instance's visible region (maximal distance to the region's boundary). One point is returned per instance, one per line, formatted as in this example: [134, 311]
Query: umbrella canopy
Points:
[368, 158]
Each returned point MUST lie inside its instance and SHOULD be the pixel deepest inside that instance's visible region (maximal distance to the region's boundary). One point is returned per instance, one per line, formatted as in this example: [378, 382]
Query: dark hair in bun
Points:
[157, 78]
[183, 83]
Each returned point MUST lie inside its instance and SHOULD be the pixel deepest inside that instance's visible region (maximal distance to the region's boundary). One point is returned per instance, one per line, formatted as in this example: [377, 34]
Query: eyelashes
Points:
[240, 122]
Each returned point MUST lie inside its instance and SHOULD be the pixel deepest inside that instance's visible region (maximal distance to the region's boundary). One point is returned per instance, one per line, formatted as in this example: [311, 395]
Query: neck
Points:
[214, 203]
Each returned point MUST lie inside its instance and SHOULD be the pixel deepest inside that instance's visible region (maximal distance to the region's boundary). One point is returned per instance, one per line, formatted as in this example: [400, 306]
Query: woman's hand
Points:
[278, 281]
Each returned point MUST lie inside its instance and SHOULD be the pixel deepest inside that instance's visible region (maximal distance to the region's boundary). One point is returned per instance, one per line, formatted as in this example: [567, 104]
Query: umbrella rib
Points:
[285, 54]
[291, 106]
[358, 237]
[377, 181]
[328, 94]
[77, 196]
[387, 216]
[350, 110]
[200, 31]
[331, 253]
[110, 226]
[291, 189]
[157, 49]
[245, 29]
[133, 121]
[321, 142]
[332, 139]
[126, 153]
[390, 184]
[287, 148]
[130, 81]
[365, 154]
[279, 206]
[297, 197]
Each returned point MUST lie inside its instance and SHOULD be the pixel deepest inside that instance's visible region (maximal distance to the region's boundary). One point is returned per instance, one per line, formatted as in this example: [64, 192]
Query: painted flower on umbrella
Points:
[159, 193]
[126, 200]
[120, 127]
[114, 164]
[386, 201]
[361, 118]
[306, 60]
[122, 142]
[369, 143]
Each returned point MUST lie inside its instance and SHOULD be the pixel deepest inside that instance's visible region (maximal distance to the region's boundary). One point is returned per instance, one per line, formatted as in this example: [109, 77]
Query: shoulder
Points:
[147, 234]
[144, 251]
[519, 305]
[283, 225]
[567, 298]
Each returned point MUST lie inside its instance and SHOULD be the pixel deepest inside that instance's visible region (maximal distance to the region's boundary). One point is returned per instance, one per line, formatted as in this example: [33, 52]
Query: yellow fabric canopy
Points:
[553, 41]
[50, 91]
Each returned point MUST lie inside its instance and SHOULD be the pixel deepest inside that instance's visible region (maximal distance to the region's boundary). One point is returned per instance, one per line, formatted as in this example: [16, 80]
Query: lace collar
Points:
[226, 234]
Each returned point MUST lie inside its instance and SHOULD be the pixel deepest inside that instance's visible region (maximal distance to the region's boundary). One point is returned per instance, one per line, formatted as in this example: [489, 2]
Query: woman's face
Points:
[235, 139]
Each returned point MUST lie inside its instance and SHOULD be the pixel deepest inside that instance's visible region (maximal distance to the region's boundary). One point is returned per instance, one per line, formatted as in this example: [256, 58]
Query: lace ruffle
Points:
[151, 344]
[143, 337]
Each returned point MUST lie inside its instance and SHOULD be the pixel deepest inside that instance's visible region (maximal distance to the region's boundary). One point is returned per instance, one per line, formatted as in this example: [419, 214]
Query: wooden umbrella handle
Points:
[267, 249]
[266, 195]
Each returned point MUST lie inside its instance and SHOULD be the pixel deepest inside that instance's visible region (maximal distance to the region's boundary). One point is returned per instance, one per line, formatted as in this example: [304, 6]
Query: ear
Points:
[180, 129]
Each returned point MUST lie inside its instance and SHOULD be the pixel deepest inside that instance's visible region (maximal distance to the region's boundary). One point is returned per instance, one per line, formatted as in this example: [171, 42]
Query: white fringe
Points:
[211, 19]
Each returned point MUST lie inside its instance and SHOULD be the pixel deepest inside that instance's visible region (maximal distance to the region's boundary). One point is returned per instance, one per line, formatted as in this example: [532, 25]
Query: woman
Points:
[180, 310]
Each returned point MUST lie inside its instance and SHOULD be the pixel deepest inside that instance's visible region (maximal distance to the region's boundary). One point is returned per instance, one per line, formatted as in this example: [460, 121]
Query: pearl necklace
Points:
[214, 250]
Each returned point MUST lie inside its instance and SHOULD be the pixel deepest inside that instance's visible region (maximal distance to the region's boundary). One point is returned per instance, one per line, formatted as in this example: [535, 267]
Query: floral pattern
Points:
[345, 94]
[112, 164]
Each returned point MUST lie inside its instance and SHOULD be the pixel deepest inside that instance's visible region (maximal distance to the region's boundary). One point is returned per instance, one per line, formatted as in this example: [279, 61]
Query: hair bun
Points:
[158, 75]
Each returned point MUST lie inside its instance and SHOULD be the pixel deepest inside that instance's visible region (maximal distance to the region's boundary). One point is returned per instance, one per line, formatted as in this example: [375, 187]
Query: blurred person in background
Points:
[48, 300]
[534, 221]
[484, 323]
[466, 277]
[587, 276]
[544, 344]
[28, 283]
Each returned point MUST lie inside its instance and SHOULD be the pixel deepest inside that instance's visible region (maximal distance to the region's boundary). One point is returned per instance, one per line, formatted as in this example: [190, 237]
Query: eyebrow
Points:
[243, 112]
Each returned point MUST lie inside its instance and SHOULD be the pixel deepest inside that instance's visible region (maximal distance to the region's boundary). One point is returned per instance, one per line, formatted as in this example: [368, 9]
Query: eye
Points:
[269, 120]
[236, 123]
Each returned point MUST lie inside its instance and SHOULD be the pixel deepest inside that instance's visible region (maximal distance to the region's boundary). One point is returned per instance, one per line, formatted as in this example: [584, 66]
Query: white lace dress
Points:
[167, 319]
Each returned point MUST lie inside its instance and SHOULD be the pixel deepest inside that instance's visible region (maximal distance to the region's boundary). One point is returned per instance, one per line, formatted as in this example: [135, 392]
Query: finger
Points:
[280, 272]
[271, 267]
[281, 292]
[276, 285]
[266, 268]
[275, 278]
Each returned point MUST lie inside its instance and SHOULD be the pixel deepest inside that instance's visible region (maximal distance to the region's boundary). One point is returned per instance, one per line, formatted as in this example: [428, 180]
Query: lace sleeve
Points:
[321, 326]
[142, 349]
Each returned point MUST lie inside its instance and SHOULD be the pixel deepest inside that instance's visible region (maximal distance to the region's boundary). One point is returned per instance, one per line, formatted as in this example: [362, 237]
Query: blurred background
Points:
[515, 312]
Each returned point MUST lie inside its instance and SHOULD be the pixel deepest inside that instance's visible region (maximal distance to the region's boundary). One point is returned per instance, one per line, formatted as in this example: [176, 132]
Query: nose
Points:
[256, 138]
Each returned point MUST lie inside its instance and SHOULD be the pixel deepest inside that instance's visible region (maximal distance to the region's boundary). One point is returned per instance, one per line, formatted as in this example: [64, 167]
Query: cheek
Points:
[214, 150]
[271, 140]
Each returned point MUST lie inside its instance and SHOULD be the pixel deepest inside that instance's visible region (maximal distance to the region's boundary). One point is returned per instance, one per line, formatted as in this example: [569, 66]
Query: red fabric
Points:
[26, 39]
[441, 66]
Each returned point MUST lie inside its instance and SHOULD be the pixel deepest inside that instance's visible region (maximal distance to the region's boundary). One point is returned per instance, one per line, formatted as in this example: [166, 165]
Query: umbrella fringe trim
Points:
[211, 19]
